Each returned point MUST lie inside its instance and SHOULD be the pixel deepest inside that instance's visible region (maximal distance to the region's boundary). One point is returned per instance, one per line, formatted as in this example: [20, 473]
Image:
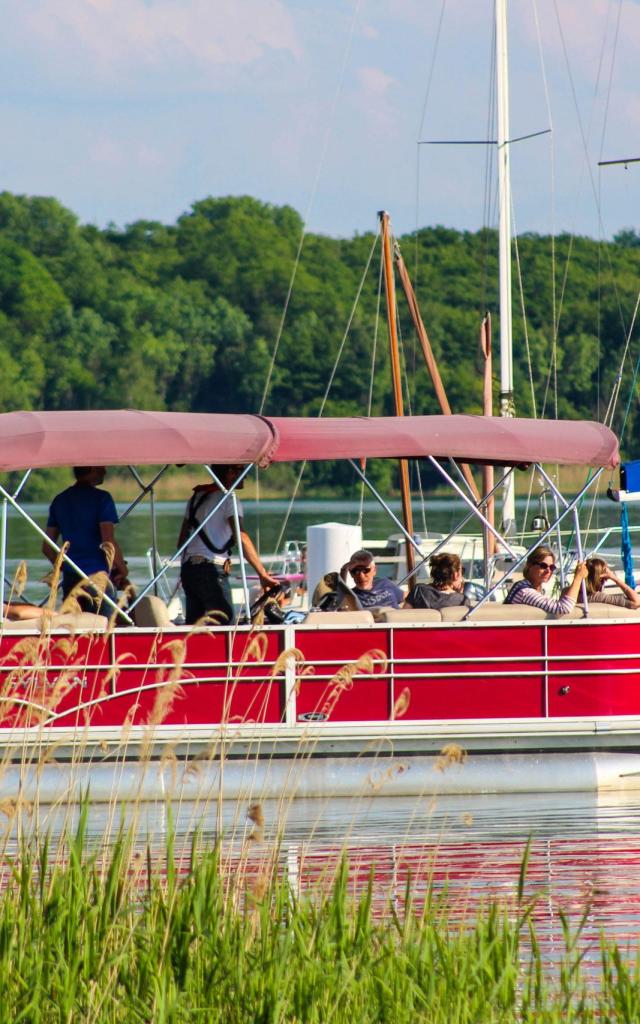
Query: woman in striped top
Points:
[539, 568]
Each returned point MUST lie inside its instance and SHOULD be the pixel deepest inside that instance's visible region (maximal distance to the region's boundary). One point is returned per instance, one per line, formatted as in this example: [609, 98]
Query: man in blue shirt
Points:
[85, 516]
[372, 592]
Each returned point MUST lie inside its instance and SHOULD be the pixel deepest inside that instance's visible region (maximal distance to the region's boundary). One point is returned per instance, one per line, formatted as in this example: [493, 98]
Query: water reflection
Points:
[584, 851]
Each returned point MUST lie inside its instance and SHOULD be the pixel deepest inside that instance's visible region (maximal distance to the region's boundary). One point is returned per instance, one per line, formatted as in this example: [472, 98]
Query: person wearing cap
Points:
[206, 561]
[371, 590]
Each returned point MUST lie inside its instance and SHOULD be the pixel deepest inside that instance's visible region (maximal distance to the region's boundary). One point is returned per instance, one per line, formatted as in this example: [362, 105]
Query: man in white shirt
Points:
[206, 559]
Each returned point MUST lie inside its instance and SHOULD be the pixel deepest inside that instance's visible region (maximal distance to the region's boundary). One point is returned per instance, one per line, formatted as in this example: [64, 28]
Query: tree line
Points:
[185, 316]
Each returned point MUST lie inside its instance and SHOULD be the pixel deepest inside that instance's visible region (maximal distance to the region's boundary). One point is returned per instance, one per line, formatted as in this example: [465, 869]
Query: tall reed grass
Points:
[126, 935]
[228, 929]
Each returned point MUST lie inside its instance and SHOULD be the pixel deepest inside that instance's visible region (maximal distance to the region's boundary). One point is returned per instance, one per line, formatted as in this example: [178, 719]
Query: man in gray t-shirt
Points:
[372, 591]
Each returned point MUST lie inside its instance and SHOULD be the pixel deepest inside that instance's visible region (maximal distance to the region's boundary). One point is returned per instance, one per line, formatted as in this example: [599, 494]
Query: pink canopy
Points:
[129, 437]
[478, 439]
[121, 437]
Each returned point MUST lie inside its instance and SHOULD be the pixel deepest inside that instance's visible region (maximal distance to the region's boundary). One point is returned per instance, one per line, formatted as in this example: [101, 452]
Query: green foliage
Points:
[116, 935]
[186, 316]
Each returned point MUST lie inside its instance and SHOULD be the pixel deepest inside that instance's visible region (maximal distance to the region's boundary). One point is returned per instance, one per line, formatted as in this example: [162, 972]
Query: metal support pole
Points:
[22, 483]
[557, 496]
[243, 567]
[408, 537]
[148, 489]
[68, 561]
[459, 526]
[204, 522]
[145, 488]
[467, 501]
[3, 549]
[573, 504]
[154, 538]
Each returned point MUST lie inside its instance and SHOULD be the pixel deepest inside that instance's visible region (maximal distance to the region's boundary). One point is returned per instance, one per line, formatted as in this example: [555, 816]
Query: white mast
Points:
[507, 407]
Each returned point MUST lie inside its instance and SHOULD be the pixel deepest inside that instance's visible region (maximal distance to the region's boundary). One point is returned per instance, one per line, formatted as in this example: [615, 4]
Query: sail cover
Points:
[31, 440]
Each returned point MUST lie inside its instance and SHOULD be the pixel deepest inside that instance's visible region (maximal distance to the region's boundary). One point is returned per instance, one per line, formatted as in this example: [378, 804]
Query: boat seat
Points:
[151, 611]
[399, 615]
[338, 618]
[73, 622]
[611, 611]
[494, 612]
[455, 613]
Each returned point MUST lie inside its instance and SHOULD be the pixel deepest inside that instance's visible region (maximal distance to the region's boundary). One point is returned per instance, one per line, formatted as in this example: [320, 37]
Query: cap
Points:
[361, 557]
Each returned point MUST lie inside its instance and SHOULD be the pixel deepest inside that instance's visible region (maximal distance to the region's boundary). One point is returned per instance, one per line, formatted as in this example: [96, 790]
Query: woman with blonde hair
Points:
[598, 573]
[539, 568]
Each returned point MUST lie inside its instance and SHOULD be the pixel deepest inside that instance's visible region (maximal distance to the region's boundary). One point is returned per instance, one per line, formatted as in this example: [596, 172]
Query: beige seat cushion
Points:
[456, 613]
[74, 622]
[151, 611]
[338, 618]
[597, 610]
[399, 615]
[494, 612]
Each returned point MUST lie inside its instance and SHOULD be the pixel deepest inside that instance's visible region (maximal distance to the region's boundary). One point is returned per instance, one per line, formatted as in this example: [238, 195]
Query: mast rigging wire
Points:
[328, 389]
[374, 350]
[312, 197]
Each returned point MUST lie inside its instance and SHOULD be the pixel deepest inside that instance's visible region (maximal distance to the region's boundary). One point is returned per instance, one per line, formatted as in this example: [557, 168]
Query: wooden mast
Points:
[397, 380]
[429, 357]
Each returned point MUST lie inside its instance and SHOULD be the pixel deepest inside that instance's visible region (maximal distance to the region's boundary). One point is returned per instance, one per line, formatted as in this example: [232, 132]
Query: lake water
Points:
[584, 852]
[268, 521]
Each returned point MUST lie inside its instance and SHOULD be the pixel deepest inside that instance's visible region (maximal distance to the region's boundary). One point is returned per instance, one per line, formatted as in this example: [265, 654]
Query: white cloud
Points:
[372, 98]
[109, 152]
[100, 40]
[374, 81]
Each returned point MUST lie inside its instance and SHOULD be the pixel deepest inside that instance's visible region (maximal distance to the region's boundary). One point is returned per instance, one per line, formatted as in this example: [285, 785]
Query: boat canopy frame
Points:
[477, 510]
[282, 439]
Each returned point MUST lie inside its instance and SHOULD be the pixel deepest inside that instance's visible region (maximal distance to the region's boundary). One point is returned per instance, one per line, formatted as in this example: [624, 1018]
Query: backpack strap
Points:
[195, 503]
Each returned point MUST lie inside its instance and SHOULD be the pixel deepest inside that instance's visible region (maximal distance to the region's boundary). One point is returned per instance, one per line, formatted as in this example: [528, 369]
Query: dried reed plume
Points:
[449, 755]
[170, 689]
[343, 679]
[380, 777]
[54, 576]
[109, 553]
[256, 815]
[401, 705]
[19, 580]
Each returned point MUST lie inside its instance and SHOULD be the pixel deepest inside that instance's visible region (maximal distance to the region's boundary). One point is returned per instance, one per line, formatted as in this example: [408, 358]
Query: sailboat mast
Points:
[396, 379]
[507, 406]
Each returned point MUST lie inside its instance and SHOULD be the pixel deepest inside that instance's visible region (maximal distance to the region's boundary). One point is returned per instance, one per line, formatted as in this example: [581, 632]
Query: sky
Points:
[135, 109]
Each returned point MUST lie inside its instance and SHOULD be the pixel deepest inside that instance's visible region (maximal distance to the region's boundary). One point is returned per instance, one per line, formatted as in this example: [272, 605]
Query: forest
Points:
[185, 316]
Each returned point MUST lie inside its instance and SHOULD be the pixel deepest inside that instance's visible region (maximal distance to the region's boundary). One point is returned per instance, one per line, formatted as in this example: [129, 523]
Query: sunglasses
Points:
[360, 569]
[545, 565]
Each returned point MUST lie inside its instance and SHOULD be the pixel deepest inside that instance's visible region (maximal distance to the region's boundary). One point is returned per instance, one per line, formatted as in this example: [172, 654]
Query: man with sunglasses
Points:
[539, 568]
[372, 591]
